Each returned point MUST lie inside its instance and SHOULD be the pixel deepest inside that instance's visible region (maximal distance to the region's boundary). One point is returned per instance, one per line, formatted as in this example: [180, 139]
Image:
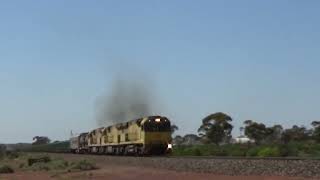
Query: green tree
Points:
[273, 134]
[295, 133]
[174, 128]
[216, 128]
[255, 131]
[191, 139]
[178, 140]
[316, 130]
[40, 140]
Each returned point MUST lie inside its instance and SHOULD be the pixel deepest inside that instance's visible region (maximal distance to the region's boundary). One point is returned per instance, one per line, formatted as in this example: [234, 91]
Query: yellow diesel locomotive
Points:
[145, 136]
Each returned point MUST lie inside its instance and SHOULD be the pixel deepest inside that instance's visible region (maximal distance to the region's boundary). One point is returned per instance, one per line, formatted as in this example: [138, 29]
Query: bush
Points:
[41, 166]
[299, 149]
[55, 147]
[199, 150]
[186, 150]
[286, 150]
[196, 152]
[59, 164]
[310, 149]
[218, 152]
[269, 152]
[252, 152]
[83, 165]
[45, 163]
[236, 150]
[292, 149]
[5, 169]
[41, 159]
[12, 154]
[2, 151]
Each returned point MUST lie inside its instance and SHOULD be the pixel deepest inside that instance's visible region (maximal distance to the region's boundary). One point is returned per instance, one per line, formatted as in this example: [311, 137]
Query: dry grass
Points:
[42, 163]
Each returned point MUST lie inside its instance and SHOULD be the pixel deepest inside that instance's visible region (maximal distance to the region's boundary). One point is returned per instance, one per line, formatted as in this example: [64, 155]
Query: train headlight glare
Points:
[158, 120]
[169, 146]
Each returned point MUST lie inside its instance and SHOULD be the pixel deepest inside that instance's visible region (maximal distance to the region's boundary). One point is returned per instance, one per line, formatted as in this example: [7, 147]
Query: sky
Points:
[254, 60]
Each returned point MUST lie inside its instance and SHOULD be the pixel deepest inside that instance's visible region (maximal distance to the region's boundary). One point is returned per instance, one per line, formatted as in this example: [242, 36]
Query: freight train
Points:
[145, 136]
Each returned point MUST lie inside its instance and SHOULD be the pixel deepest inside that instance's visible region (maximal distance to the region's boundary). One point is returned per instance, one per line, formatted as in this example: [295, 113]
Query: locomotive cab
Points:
[157, 135]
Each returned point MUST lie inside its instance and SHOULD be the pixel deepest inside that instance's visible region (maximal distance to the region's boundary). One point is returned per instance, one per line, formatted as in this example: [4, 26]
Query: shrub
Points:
[284, 151]
[39, 163]
[52, 147]
[309, 149]
[5, 169]
[219, 152]
[188, 151]
[83, 165]
[12, 154]
[2, 151]
[253, 151]
[41, 159]
[269, 152]
[197, 152]
[45, 163]
[41, 166]
[58, 164]
[52, 165]
[236, 150]
[291, 149]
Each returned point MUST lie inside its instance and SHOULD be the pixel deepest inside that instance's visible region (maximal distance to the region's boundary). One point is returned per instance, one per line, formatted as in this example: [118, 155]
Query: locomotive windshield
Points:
[157, 125]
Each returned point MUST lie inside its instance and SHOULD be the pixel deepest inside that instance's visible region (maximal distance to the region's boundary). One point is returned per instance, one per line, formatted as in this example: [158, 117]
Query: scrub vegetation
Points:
[56, 147]
[214, 139]
[13, 161]
[292, 149]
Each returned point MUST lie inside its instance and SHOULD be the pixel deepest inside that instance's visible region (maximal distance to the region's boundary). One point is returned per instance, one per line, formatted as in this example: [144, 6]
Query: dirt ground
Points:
[128, 173]
[108, 170]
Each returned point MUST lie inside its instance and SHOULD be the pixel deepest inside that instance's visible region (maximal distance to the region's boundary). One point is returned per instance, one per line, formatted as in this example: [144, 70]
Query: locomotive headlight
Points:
[169, 146]
[158, 120]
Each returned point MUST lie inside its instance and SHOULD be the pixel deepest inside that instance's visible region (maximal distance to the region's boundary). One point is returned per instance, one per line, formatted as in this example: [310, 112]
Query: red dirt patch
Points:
[128, 173]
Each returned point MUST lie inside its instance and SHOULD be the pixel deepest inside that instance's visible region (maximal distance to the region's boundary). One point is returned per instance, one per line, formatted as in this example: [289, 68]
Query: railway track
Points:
[209, 157]
[244, 158]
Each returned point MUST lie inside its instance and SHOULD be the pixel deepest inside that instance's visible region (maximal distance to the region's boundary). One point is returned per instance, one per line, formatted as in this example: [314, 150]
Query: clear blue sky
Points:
[251, 59]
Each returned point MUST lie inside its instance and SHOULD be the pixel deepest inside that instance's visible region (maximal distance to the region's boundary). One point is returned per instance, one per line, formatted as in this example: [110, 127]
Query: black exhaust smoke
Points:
[130, 97]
